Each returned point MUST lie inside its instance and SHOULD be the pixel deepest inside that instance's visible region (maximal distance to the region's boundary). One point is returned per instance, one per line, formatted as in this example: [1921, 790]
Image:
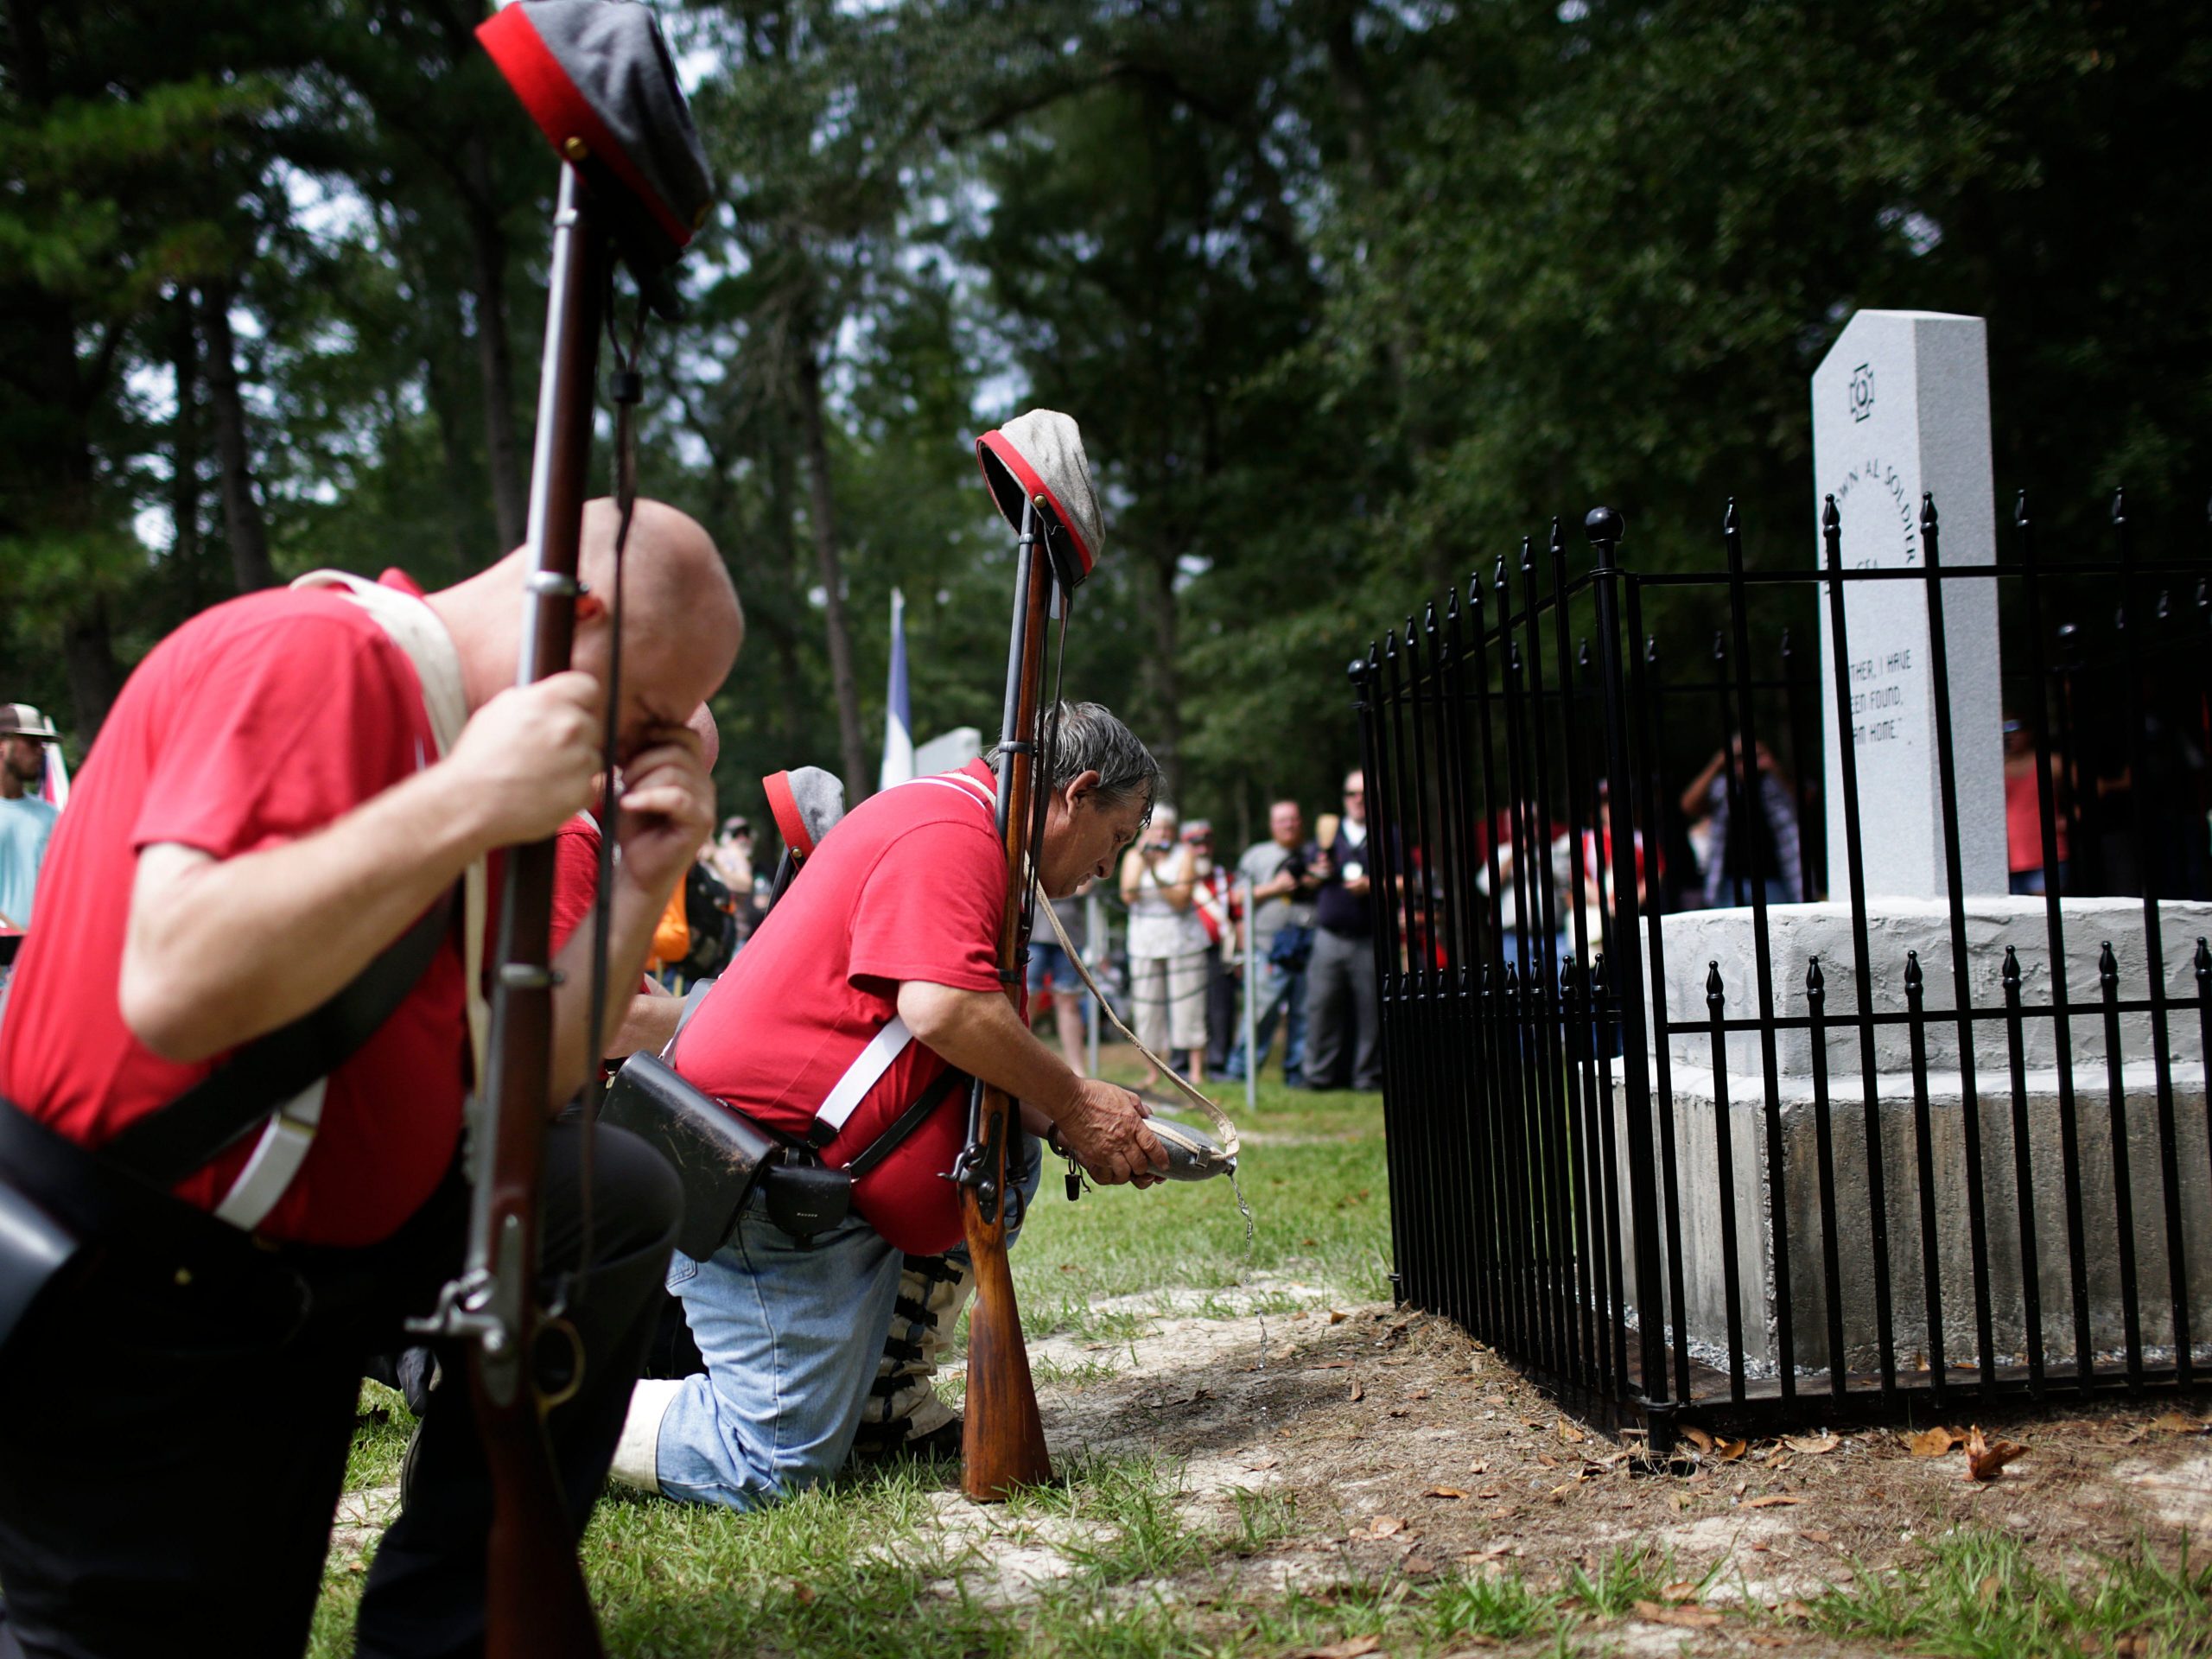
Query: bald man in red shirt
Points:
[278, 795]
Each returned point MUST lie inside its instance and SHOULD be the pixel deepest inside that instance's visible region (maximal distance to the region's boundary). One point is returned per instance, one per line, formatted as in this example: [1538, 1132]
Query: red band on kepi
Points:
[784, 808]
[596, 77]
[1039, 458]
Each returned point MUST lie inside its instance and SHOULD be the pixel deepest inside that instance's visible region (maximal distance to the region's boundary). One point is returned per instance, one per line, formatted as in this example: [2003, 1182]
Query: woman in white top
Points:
[1169, 952]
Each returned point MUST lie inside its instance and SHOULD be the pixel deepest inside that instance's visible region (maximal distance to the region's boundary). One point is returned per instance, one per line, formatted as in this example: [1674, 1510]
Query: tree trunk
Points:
[184, 451]
[88, 654]
[243, 525]
[495, 360]
[1163, 680]
[791, 598]
[445, 410]
[859, 779]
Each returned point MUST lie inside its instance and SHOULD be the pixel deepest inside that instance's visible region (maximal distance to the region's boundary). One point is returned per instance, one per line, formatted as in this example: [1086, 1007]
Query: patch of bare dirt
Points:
[1407, 1448]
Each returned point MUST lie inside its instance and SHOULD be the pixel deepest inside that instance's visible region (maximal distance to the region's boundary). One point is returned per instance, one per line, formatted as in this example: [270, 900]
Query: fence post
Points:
[1603, 527]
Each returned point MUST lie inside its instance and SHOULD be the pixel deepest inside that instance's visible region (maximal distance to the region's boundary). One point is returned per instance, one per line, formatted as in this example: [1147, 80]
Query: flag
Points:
[897, 717]
[53, 787]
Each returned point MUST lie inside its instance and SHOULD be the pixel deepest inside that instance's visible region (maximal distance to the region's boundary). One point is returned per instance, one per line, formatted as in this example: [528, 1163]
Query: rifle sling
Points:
[905, 1124]
[168, 1144]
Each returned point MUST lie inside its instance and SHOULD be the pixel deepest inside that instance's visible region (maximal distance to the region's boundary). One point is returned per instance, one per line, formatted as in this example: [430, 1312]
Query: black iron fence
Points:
[1668, 1135]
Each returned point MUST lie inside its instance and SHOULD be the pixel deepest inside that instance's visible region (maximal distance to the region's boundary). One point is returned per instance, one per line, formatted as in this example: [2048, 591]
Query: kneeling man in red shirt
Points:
[877, 972]
[287, 785]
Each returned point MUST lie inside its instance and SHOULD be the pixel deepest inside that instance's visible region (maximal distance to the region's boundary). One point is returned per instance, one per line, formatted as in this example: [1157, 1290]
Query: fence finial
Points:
[1914, 980]
[2020, 510]
[2203, 964]
[2119, 505]
[1816, 991]
[1713, 987]
[1605, 527]
[1728, 520]
[2011, 975]
[2107, 966]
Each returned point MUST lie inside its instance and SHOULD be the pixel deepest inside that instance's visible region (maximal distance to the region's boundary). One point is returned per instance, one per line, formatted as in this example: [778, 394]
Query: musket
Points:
[1002, 1438]
[536, 1604]
[598, 81]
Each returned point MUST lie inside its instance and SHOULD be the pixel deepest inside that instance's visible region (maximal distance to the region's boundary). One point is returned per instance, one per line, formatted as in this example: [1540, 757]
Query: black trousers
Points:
[159, 1502]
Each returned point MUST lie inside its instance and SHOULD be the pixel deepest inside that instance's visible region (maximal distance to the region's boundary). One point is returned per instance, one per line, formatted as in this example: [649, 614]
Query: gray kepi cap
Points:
[1038, 457]
[597, 78]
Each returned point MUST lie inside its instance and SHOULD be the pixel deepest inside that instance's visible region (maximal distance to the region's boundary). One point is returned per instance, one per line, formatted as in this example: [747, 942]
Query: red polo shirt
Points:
[255, 723]
[910, 884]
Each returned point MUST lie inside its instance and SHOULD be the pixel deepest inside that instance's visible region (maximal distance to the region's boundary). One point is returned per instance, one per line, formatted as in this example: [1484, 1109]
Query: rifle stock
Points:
[1002, 1438]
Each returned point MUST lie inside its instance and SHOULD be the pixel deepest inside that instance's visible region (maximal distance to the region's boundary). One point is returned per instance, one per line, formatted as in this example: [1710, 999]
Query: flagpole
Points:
[898, 715]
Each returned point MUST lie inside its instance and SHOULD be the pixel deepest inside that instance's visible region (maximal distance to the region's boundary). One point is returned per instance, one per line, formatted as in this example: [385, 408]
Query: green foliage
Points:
[1347, 297]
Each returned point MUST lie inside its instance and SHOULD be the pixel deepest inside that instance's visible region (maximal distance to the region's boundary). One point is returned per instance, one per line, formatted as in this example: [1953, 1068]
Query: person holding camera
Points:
[1342, 1004]
[1170, 956]
[1281, 929]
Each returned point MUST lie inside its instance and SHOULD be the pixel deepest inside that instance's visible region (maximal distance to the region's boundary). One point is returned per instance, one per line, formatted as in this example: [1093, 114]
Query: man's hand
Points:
[667, 810]
[1104, 1129]
[523, 764]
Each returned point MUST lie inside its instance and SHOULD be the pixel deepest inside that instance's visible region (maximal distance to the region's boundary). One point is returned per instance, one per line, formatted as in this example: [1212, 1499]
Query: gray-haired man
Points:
[875, 975]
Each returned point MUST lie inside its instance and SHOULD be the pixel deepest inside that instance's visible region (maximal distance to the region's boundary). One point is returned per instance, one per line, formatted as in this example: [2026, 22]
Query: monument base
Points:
[2117, 1216]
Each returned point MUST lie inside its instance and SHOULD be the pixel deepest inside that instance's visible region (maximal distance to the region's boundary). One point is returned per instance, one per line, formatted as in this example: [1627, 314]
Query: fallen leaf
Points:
[1731, 1450]
[1270, 1461]
[1349, 1648]
[1558, 1493]
[1816, 1448]
[803, 1593]
[1773, 1500]
[1681, 1500]
[1570, 1434]
[1444, 1491]
[1689, 1619]
[1987, 1592]
[1697, 1437]
[1685, 1590]
[1815, 1535]
[2175, 1423]
[1338, 1316]
[1397, 1411]
[1358, 1390]
[1334, 1365]
[1494, 1553]
[1547, 1460]
[1479, 1467]
[1384, 1526]
[1933, 1442]
[1417, 1565]
[1794, 1609]
[1486, 1494]
[1418, 1393]
[1986, 1459]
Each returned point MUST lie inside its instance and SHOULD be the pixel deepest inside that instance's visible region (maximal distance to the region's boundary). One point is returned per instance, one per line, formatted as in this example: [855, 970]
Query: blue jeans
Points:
[1282, 995]
[791, 1334]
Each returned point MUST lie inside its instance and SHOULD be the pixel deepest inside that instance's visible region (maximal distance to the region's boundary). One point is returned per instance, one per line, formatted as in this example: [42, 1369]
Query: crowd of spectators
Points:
[1298, 906]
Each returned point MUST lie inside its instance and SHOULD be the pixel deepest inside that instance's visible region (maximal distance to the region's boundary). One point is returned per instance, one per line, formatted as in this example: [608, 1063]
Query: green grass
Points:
[844, 1572]
[1979, 1596]
[891, 1563]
